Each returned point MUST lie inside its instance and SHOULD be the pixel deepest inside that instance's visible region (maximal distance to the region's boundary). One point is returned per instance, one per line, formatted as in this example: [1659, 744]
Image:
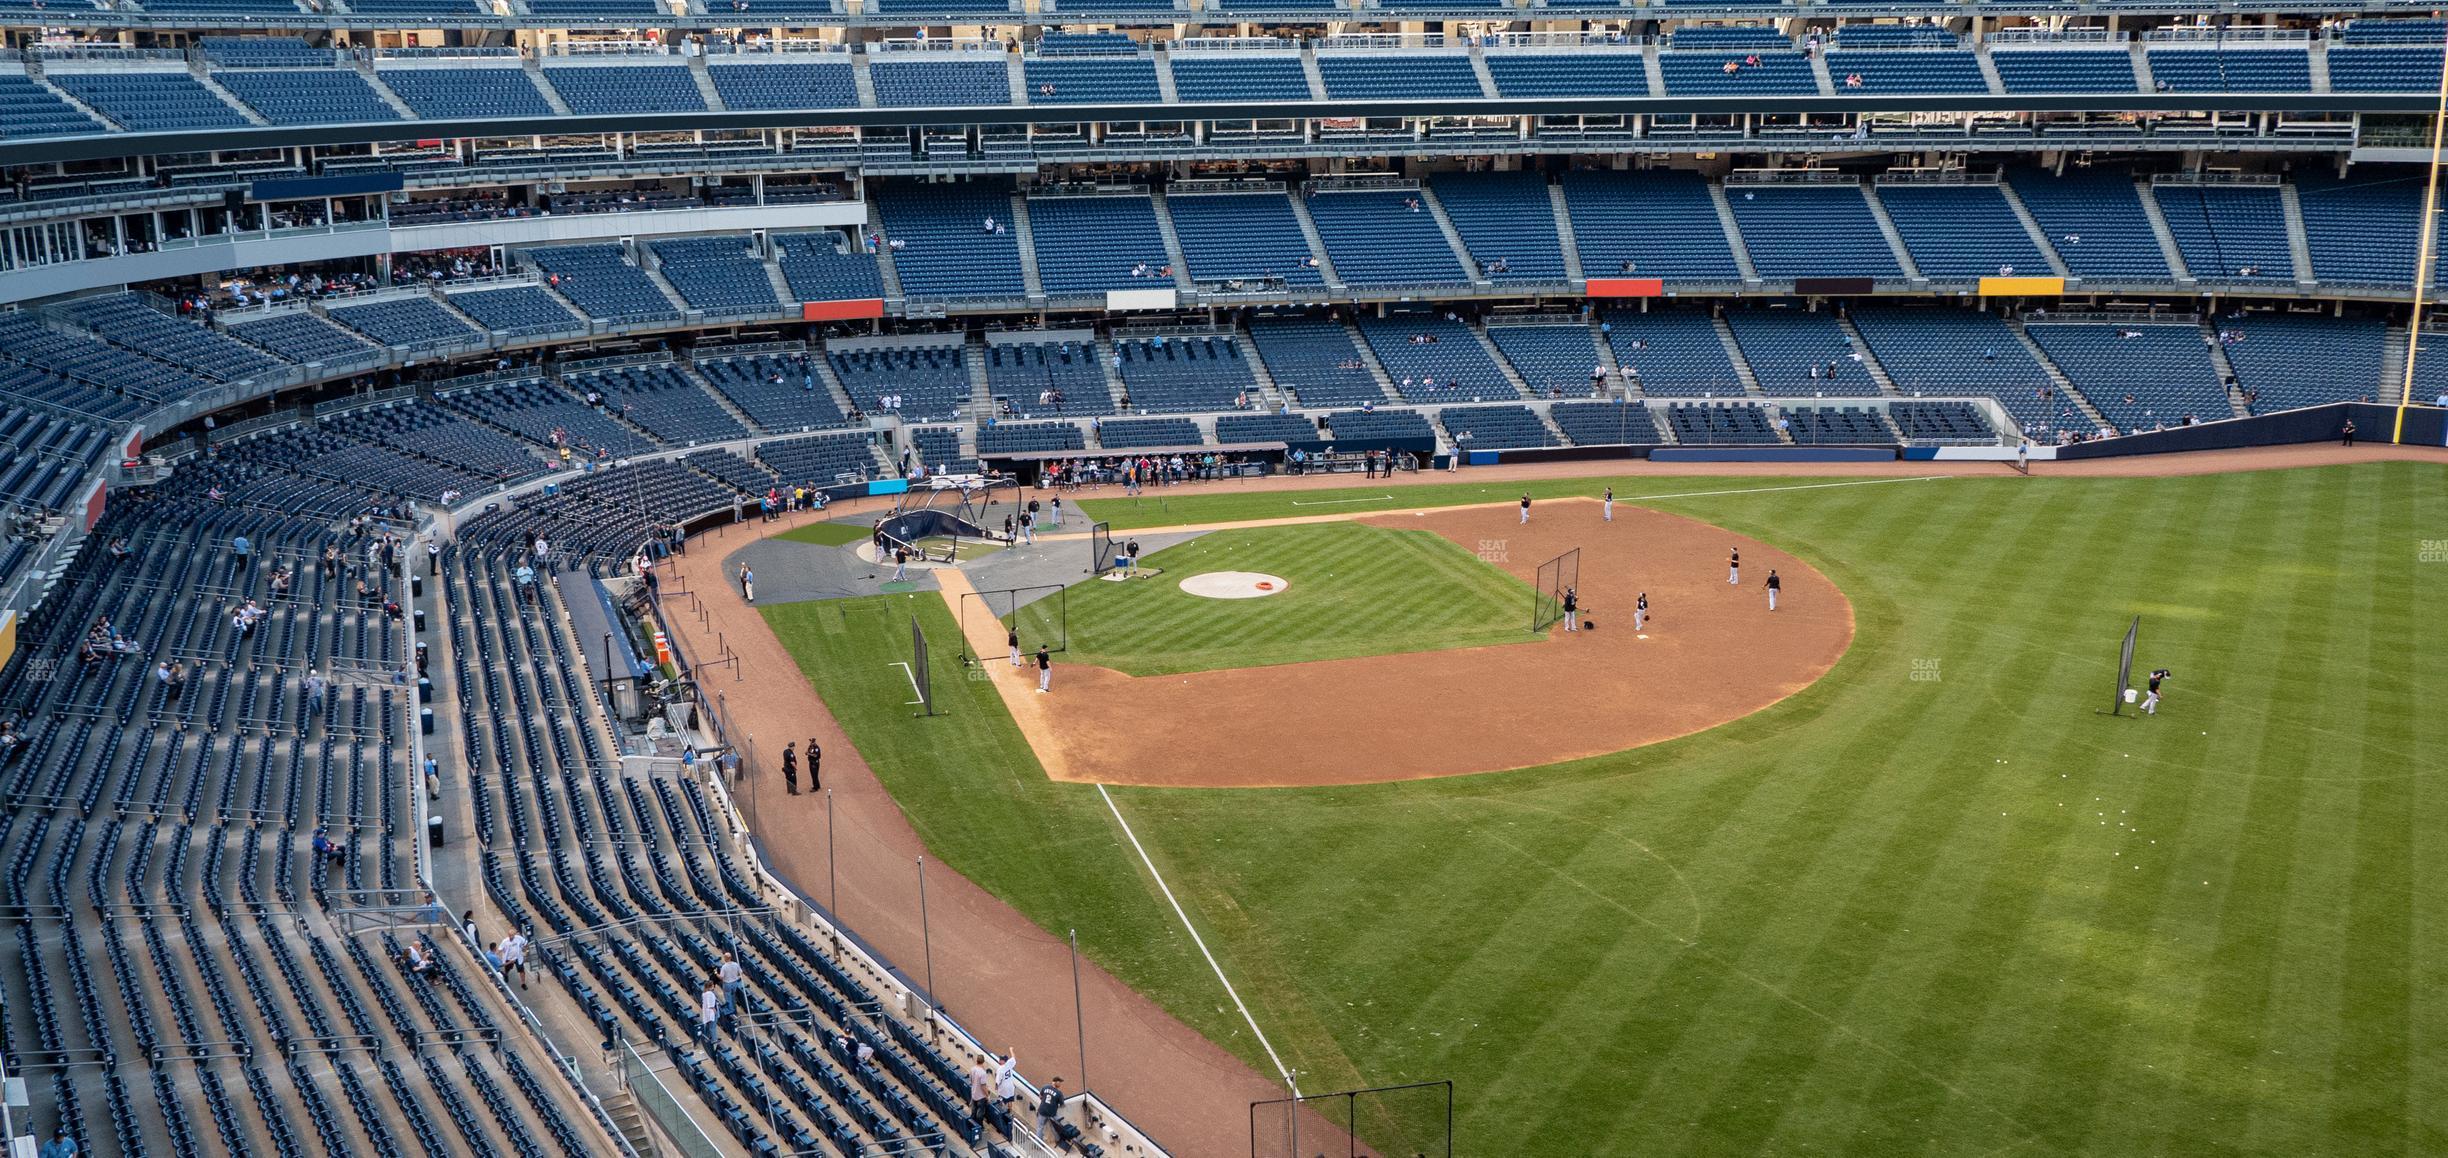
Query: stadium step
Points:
[1453, 237]
[1267, 389]
[2057, 377]
[2225, 367]
[2159, 229]
[1504, 365]
[1309, 68]
[1368, 358]
[373, 79]
[705, 83]
[1317, 245]
[1026, 241]
[2143, 80]
[626, 1118]
[2031, 227]
[1989, 72]
[862, 80]
[1606, 357]
[1869, 359]
[227, 97]
[1164, 80]
[1018, 79]
[654, 273]
[832, 381]
[2320, 66]
[1887, 229]
[535, 76]
[1114, 389]
[1733, 234]
[1565, 237]
[885, 269]
[1819, 74]
[728, 406]
[1172, 241]
[1656, 71]
[1734, 354]
[781, 284]
[2299, 247]
[981, 395]
[1487, 80]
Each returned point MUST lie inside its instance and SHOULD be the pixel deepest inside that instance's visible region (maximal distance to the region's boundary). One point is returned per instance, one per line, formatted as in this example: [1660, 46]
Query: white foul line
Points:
[1201, 942]
[912, 673]
[1859, 482]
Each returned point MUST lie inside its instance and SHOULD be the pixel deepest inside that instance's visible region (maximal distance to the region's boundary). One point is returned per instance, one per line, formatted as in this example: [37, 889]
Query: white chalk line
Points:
[912, 673]
[1201, 942]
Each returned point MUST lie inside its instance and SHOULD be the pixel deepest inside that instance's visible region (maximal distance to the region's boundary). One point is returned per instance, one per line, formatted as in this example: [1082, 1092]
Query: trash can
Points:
[425, 720]
[416, 586]
[433, 830]
[420, 621]
[425, 693]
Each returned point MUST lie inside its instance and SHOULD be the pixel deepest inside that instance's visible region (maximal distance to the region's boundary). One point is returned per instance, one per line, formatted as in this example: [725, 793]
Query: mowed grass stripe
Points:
[2005, 957]
[1353, 590]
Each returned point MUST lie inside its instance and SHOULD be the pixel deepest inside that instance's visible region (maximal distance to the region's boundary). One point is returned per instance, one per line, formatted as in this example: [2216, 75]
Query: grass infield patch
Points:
[1355, 590]
[828, 534]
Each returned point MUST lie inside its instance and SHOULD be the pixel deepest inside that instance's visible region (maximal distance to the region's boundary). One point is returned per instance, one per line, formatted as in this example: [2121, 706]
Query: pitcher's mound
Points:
[1234, 585]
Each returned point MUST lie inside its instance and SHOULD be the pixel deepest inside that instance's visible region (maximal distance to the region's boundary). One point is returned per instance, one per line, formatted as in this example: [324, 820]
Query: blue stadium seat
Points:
[1433, 361]
[1184, 374]
[966, 80]
[1388, 77]
[602, 89]
[2139, 377]
[1647, 224]
[516, 310]
[2095, 221]
[1557, 74]
[2065, 70]
[1067, 80]
[1507, 218]
[1811, 231]
[1315, 360]
[1097, 243]
[2229, 232]
[1889, 70]
[1495, 428]
[2245, 68]
[1383, 237]
[599, 280]
[1239, 77]
[1962, 231]
[1606, 423]
[1671, 352]
[719, 275]
[404, 321]
[1781, 72]
[28, 109]
[821, 267]
[945, 249]
[1225, 236]
[820, 84]
[308, 96]
[466, 93]
[150, 102]
[2365, 228]
[1553, 360]
[1799, 354]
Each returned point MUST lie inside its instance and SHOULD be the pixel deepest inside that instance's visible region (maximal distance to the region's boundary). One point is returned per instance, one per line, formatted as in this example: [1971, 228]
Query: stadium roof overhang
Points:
[108, 145]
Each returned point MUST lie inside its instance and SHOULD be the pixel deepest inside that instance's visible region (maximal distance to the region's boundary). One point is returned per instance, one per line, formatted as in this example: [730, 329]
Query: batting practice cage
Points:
[1413, 1121]
[2133, 634]
[1100, 548]
[1041, 614]
[1554, 577]
[922, 681]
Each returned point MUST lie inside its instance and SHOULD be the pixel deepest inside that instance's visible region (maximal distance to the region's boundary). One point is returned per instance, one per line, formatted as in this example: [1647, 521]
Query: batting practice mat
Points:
[1555, 576]
[1041, 614]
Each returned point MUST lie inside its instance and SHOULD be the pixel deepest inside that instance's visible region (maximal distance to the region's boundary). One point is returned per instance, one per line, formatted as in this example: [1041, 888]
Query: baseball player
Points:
[1525, 508]
[1572, 605]
[900, 563]
[1773, 584]
[1045, 669]
[1640, 611]
[1012, 637]
[1734, 567]
[1607, 513]
[2150, 702]
[747, 583]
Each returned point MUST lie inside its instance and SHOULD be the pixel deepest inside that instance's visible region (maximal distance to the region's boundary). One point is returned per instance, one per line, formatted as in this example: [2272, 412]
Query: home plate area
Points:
[1234, 585]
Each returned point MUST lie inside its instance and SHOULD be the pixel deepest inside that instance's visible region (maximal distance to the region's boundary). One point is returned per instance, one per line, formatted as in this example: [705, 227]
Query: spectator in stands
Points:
[241, 552]
[60, 1145]
[419, 963]
[324, 847]
[173, 677]
[513, 954]
[709, 1012]
[1007, 1087]
[12, 742]
[734, 981]
[1050, 1101]
[316, 688]
[981, 1089]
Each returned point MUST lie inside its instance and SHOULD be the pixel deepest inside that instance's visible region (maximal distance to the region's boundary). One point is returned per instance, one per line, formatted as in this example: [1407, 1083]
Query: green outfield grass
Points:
[1354, 590]
[1937, 904]
[1225, 503]
[828, 534]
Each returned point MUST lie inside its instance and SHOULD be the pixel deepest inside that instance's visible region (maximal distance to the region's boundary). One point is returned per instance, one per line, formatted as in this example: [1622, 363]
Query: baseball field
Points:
[1933, 901]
